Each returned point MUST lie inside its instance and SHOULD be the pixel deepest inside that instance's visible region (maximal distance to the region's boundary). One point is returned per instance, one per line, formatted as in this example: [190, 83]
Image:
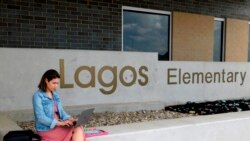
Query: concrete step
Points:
[220, 127]
[6, 125]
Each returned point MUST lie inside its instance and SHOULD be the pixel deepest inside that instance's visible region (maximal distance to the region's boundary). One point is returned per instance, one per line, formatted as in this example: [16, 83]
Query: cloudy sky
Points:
[145, 32]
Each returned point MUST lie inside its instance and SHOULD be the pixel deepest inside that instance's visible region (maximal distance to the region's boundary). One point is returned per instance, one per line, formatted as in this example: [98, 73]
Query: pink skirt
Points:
[57, 134]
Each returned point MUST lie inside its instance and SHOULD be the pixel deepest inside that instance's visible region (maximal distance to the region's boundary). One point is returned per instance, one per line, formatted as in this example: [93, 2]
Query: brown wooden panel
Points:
[192, 37]
[236, 44]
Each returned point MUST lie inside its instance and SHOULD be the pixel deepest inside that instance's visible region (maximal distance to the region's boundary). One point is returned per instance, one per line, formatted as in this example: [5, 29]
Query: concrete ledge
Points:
[221, 127]
[6, 125]
[8, 119]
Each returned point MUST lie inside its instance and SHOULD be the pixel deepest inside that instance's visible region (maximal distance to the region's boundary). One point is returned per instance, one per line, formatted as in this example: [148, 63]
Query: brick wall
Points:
[90, 24]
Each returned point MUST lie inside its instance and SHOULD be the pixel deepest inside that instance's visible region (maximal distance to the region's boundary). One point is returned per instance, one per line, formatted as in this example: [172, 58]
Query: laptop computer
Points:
[84, 117]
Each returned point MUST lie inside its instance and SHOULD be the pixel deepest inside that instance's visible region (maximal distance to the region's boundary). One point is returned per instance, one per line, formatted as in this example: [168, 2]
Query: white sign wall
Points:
[99, 77]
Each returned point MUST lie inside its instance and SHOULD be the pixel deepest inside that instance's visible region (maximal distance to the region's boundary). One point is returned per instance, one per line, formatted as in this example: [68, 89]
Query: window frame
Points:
[223, 50]
[151, 11]
[248, 55]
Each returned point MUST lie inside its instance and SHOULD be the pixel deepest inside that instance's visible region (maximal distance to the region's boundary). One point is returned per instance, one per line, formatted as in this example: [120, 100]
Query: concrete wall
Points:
[117, 77]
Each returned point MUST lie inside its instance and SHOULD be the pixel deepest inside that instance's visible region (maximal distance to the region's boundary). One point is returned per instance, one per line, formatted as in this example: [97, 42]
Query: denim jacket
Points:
[43, 107]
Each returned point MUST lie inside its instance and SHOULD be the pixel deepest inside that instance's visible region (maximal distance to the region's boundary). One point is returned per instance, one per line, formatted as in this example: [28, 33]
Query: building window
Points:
[249, 43]
[218, 52]
[146, 30]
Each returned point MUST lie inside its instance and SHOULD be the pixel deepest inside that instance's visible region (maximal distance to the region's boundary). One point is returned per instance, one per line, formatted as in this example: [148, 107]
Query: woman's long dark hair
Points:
[49, 75]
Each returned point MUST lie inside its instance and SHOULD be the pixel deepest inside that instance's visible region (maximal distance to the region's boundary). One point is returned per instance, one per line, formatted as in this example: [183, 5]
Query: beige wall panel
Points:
[236, 40]
[192, 37]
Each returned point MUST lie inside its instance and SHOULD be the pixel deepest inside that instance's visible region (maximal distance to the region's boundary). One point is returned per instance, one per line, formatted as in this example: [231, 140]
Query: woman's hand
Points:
[60, 123]
[68, 123]
[73, 119]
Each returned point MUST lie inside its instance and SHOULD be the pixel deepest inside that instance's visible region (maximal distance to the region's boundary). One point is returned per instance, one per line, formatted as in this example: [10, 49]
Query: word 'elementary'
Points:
[178, 76]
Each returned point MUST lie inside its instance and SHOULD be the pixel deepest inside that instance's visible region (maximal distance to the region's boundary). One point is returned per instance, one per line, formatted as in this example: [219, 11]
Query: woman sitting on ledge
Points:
[51, 121]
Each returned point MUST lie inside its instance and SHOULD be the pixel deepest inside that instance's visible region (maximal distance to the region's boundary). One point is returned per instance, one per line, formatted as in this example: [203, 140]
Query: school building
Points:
[128, 55]
[184, 30]
[113, 51]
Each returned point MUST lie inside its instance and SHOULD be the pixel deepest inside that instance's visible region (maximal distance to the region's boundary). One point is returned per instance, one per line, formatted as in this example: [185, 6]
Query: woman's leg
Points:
[78, 134]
